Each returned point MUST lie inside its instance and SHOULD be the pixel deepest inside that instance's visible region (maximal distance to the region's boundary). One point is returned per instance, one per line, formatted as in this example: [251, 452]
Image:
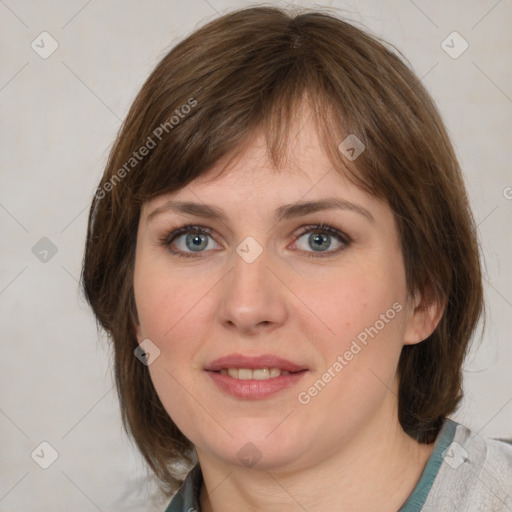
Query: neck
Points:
[377, 472]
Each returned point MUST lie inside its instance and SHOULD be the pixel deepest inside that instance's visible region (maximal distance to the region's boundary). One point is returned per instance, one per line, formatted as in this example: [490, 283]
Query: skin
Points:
[345, 449]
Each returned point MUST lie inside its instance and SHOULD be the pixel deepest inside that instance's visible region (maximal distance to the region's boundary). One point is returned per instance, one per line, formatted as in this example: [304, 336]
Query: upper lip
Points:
[253, 362]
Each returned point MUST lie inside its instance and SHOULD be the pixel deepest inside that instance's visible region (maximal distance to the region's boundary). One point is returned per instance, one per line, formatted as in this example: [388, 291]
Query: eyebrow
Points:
[285, 212]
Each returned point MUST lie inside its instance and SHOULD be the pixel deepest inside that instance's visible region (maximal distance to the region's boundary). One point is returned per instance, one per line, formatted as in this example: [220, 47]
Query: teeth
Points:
[244, 374]
[256, 374]
[275, 372]
[260, 374]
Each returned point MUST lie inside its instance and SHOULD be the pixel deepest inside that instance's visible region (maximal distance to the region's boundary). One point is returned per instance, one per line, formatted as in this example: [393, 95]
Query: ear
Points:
[425, 313]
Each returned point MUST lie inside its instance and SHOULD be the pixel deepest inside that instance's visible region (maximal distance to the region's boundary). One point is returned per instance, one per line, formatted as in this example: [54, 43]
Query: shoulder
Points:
[475, 475]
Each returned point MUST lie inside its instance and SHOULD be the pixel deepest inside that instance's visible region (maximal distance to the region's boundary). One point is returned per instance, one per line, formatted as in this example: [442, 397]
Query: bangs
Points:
[265, 76]
[221, 128]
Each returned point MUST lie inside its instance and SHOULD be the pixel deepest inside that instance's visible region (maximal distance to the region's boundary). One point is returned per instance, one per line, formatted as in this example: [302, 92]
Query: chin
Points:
[251, 449]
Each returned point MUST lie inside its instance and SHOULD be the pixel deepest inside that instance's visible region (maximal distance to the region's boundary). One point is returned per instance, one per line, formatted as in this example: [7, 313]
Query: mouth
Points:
[254, 377]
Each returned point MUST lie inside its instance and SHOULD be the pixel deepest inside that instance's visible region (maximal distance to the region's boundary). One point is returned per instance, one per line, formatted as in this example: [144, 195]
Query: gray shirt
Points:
[465, 472]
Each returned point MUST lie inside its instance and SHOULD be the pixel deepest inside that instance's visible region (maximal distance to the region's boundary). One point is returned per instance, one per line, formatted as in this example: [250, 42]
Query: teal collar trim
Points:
[418, 496]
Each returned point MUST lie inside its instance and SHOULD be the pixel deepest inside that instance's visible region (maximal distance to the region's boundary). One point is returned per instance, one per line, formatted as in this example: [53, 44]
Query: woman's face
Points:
[261, 292]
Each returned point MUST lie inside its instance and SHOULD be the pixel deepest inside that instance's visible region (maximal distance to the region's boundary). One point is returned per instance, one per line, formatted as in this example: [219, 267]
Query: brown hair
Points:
[251, 70]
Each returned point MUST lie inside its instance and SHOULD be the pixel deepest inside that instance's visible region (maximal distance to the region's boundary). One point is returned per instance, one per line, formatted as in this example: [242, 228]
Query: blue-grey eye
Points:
[196, 241]
[320, 239]
[319, 242]
[189, 240]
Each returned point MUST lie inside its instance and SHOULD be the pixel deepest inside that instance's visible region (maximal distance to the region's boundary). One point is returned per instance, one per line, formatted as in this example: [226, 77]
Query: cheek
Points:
[364, 312]
[360, 353]
[169, 319]
[163, 297]
[171, 314]
[356, 300]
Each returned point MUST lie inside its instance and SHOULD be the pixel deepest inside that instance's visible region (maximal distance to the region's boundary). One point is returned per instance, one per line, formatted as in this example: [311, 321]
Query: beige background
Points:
[58, 119]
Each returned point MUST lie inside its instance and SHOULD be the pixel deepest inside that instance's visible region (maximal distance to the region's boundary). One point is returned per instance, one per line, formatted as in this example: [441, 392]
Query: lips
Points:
[244, 377]
[253, 363]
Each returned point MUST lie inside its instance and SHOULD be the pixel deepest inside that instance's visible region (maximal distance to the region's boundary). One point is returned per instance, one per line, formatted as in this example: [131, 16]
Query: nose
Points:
[253, 298]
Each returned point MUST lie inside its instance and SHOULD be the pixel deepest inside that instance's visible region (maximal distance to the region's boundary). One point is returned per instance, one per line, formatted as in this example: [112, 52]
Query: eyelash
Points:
[341, 237]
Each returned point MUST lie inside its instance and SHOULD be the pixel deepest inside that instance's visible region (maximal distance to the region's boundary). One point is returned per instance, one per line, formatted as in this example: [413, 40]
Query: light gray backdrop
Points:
[60, 110]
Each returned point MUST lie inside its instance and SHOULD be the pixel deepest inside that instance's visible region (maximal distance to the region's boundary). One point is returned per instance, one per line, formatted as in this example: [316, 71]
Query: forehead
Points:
[250, 181]
[273, 200]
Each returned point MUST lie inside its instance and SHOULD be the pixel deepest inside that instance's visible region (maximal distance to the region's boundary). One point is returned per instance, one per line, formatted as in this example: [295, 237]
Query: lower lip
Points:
[253, 389]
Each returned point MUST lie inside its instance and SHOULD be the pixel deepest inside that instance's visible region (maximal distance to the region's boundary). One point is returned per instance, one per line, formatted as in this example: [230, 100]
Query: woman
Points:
[282, 251]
